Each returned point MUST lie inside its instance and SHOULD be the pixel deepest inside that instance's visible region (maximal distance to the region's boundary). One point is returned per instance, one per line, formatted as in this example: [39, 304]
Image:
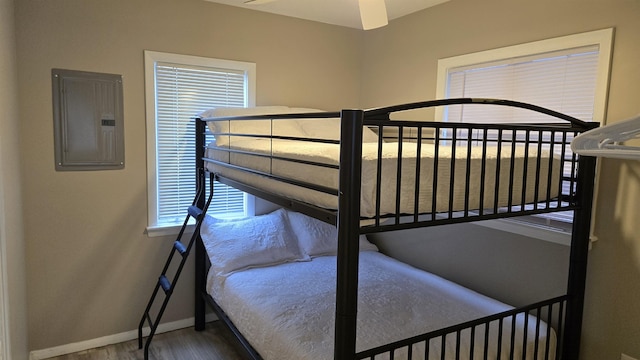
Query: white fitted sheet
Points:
[287, 311]
[329, 154]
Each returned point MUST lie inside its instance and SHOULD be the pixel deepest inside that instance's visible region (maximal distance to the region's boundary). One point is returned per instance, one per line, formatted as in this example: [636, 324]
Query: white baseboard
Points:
[110, 339]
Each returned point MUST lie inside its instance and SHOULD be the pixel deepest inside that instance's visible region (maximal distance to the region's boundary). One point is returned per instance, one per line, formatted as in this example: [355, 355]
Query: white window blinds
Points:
[181, 93]
[181, 90]
[567, 74]
[564, 81]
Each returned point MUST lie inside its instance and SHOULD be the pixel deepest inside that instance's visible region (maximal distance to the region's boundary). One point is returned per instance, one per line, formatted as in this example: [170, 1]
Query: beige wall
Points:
[400, 66]
[518, 270]
[11, 234]
[91, 268]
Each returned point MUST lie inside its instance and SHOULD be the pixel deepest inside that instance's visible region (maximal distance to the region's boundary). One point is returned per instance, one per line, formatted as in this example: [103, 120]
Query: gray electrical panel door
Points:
[88, 120]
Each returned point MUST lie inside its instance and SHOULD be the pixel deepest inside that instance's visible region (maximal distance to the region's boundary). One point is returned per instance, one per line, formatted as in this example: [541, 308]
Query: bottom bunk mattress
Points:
[287, 311]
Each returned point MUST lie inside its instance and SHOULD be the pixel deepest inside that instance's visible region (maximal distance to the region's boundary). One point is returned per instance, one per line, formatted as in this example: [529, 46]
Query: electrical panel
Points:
[88, 120]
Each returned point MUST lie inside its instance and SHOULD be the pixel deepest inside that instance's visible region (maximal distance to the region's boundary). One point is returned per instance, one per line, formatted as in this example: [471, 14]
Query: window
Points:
[567, 74]
[178, 87]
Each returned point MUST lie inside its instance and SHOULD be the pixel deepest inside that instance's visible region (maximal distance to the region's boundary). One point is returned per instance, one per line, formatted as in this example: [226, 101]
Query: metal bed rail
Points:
[508, 334]
[547, 164]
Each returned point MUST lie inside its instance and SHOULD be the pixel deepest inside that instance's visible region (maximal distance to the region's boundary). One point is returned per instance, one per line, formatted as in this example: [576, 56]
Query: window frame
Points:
[602, 38]
[151, 58]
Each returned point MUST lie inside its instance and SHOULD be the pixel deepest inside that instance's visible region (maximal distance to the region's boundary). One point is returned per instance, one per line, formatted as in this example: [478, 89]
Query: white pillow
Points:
[262, 240]
[328, 128]
[317, 238]
[281, 127]
[365, 245]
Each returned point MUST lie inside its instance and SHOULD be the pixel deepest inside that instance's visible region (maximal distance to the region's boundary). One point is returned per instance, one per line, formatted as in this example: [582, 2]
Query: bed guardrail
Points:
[536, 173]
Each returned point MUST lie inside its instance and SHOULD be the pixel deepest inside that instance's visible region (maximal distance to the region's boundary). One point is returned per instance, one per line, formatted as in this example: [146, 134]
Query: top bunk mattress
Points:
[413, 179]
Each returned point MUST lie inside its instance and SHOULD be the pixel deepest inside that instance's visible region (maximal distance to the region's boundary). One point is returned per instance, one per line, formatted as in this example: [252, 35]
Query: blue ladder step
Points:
[195, 211]
[180, 247]
[165, 284]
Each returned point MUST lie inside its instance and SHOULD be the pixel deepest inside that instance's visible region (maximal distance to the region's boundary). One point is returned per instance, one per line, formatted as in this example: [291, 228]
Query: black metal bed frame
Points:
[565, 311]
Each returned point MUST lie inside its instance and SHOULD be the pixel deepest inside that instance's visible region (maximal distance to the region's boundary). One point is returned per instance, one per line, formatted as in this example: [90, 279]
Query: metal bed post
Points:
[578, 257]
[200, 263]
[348, 232]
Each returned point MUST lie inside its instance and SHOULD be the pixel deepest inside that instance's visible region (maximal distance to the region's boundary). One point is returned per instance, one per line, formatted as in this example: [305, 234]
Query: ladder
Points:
[197, 210]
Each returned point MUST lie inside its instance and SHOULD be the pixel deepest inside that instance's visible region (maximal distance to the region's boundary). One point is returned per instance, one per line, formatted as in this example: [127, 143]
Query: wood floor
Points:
[214, 343]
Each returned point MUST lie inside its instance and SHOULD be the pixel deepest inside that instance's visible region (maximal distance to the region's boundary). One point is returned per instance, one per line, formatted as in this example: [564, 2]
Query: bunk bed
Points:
[375, 173]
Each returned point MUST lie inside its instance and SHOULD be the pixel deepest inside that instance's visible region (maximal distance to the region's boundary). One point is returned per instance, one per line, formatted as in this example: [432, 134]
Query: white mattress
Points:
[292, 317]
[329, 154]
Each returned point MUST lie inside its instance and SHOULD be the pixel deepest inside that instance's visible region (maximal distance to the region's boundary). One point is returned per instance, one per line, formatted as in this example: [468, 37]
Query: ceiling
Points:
[335, 12]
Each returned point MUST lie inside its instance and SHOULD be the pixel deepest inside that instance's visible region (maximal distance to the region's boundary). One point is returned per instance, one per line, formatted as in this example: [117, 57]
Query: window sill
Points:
[156, 231]
[536, 232]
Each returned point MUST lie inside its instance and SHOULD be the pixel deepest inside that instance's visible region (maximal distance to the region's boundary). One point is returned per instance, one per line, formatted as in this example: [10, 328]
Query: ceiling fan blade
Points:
[373, 13]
